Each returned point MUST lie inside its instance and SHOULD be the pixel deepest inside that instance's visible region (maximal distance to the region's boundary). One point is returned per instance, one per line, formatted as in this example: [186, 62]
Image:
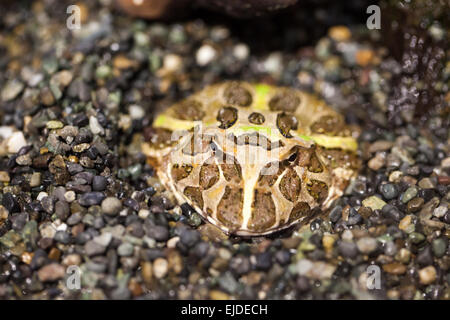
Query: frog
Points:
[253, 158]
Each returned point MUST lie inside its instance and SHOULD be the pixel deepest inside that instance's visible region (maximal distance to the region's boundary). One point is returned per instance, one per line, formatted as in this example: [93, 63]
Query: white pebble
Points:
[273, 63]
[241, 51]
[69, 196]
[95, 127]
[440, 211]
[15, 142]
[205, 55]
[6, 132]
[172, 242]
[143, 213]
[41, 195]
[136, 112]
[160, 267]
[347, 235]
[61, 227]
[172, 62]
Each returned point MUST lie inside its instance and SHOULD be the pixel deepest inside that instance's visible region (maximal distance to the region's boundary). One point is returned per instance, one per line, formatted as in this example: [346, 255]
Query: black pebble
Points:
[10, 203]
[99, 183]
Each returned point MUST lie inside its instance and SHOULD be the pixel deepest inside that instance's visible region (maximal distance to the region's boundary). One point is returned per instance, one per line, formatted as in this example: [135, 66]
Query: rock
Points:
[136, 111]
[59, 170]
[425, 257]
[104, 239]
[15, 142]
[240, 264]
[389, 191]
[367, 245]
[415, 204]
[405, 223]
[335, 214]
[35, 179]
[99, 183]
[377, 162]
[160, 268]
[91, 198]
[373, 203]
[427, 275]
[11, 90]
[159, 233]
[380, 145]
[70, 196]
[4, 176]
[205, 55]
[62, 210]
[212, 233]
[24, 160]
[10, 203]
[315, 270]
[93, 248]
[339, 33]
[51, 272]
[241, 52]
[54, 124]
[439, 247]
[111, 206]
[62, 237]
[440, 211]
[410, 193]
[348, 249]
[263, 261]
[189, 237]
[125, 249]
[426, 183]
[394, 268]
[95, 126]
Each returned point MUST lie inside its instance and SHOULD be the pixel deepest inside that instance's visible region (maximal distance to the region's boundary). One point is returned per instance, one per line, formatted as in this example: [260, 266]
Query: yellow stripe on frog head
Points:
[330, 142]
[262, 93]
[167, 122]
[173, 124]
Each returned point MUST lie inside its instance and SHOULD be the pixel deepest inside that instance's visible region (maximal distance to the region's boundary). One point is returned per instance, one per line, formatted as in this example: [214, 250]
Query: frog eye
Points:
[227, 116]
[237, 94]
[285, 123]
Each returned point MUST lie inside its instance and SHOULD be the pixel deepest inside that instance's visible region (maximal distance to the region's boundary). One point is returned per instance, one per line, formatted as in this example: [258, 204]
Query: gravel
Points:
[76, 189]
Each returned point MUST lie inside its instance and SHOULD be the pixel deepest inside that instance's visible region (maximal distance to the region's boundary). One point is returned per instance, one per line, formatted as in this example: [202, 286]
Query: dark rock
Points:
[91, 198]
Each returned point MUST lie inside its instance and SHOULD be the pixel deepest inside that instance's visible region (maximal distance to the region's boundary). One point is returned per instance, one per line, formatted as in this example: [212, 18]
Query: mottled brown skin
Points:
[306, 156]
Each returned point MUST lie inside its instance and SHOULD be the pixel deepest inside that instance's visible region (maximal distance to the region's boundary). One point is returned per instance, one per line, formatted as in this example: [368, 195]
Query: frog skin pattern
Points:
[253, 159]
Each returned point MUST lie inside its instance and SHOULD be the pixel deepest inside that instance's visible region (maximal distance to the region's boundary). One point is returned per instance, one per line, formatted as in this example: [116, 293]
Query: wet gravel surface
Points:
[75, 190]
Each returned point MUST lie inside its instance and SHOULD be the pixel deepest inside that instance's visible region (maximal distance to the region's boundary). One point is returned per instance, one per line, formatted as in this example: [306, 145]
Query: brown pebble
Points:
[415, 204]
[26, 257]
[54, 254]
[51, 272]
[394, 268]
[147, 271]
[135, 288]
[444, 180]
[340, 33]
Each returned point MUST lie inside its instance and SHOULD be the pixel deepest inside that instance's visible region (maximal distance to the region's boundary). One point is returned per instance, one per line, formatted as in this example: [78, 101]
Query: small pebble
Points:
[427, 275]
[111, 206]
